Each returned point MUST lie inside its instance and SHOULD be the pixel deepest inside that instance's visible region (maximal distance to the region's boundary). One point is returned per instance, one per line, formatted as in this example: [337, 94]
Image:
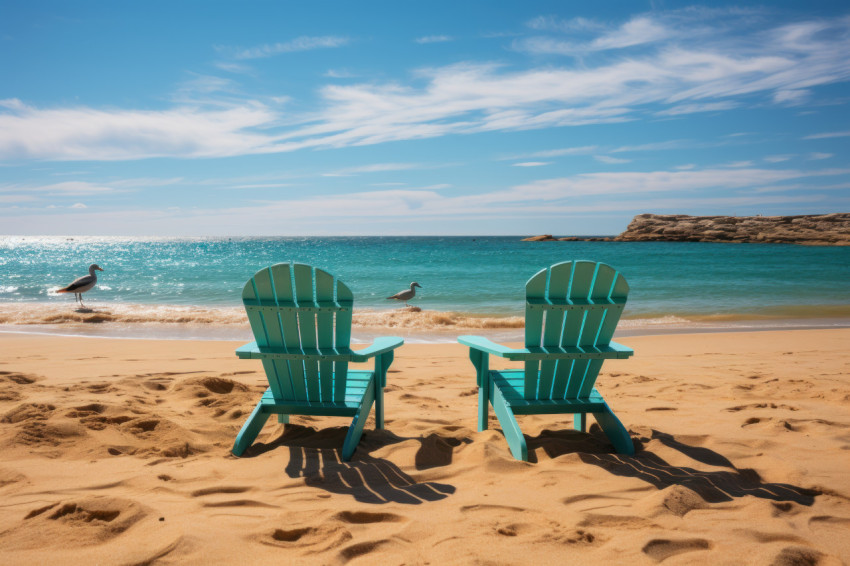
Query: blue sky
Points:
[381, 118]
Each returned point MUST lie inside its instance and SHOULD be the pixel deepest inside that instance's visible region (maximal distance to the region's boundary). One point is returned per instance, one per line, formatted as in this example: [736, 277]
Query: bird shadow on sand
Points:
[713, 486]
[315, 455]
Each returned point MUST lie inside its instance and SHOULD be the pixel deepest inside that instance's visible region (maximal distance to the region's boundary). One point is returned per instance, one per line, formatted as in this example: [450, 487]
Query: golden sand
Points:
[117, 452]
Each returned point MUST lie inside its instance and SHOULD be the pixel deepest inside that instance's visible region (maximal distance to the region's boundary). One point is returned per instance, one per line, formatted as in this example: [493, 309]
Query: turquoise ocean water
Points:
[198, 281]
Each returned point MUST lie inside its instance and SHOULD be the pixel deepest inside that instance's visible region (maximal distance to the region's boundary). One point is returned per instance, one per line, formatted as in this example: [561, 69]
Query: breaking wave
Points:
[408, 321]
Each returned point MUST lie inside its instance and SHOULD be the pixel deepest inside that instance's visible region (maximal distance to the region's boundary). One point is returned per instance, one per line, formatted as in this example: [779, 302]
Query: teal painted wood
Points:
[580, 422]
[344, 298]
[301, 320]
[250, 430]
[535, 290]
[510, 428]
[355, 431]
[556, 290]
[480, 360]
[325, 331]
[572, 310]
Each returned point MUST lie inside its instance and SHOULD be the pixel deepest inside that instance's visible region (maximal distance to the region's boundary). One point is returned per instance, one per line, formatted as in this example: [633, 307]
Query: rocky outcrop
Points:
[811, 230]
[543, 238]
[550, 238]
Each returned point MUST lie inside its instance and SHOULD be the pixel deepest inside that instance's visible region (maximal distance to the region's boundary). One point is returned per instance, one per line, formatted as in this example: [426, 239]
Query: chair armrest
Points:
[485, 345]
[247, 351]
[612, 351]
[381, 345]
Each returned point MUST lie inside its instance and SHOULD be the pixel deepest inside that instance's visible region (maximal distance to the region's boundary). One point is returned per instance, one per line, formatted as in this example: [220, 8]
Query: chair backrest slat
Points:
[313, 311]
[281, 275]
[325, 330]
[277, 370]
[344, 298]
[556, 291]
[305, 297]
[582, 302]
[535, 290]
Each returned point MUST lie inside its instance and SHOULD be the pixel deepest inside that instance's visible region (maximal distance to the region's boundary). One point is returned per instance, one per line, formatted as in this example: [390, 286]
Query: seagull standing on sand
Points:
[83, 284]
[406, 295]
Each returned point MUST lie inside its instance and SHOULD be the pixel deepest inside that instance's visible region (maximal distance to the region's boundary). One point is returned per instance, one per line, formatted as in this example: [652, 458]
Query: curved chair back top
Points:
[570, 305]
[302, 312]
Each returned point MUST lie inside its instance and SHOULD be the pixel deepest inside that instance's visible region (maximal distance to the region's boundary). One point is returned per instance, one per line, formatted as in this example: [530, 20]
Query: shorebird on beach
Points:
[406, 295]
[82, 284]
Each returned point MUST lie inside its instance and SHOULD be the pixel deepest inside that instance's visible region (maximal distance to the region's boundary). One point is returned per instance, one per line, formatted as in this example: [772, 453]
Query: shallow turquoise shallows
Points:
[464, 274]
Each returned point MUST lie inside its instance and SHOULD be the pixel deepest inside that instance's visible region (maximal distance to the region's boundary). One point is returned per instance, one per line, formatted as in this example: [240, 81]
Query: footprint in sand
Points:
[28, 412]
[363, 548]
[86, 522]
[797, 556]
[222, 396]
[220, 489]
[8, 477]
[366, 517]
[662, 549]
[761, 406]
[11, 382]
[308, 539]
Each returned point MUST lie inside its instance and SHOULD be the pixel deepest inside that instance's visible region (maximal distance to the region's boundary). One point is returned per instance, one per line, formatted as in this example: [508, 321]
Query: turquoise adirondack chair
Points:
[301, 319]
[571, 311]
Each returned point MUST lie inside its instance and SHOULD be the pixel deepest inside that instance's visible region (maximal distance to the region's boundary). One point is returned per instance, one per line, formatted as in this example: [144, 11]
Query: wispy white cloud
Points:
[338, 74]
[746, 163]
[637, 31]
[581, 150]
[818, 155]
[372, 168]
[80, 133]
[78, 205]
[552, 23]
[67, 188]
[707, 190]
[826, 135]
[531, 163]
[433, 39]
[777, 158]
[232, 67]
[303, 43]
[7, 199]
[83, 188]
[466, 98]
[791, 97]
[657, 146]
[611, 160]
[698, 107]
[260, 186]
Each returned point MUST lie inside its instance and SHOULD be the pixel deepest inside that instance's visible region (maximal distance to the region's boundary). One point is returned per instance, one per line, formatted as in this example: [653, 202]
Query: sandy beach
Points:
[117, 452]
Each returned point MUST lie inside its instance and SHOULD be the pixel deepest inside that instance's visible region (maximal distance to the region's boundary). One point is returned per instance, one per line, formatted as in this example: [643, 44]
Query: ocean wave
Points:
[55, 314]
[409, 319]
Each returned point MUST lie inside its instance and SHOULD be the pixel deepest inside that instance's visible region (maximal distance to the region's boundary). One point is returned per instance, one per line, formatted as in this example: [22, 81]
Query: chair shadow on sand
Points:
[712, 486]
[315, 455]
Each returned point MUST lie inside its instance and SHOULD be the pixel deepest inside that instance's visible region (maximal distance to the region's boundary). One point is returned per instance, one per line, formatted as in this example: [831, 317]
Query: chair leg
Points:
[483, 409]
[250, 429]
[379, 406]
[481, 361]
[510, 428]
[580, 422]
[355, 431]
[615, 431]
